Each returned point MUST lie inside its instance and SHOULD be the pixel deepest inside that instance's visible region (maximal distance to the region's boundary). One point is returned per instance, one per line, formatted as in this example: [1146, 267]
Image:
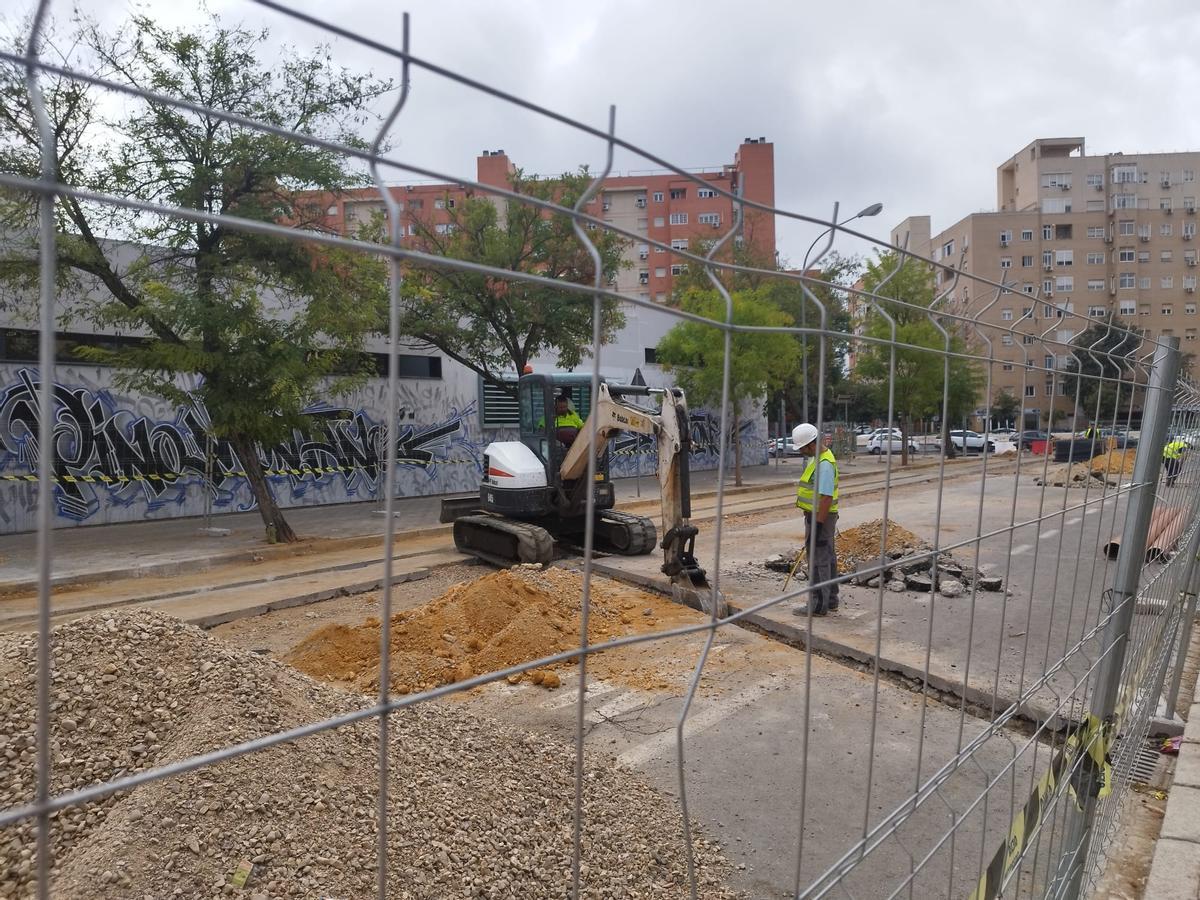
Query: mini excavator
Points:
[535, 489]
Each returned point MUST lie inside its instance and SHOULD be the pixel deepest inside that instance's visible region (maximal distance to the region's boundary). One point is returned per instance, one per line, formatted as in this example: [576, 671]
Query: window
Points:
[948, 248]
[1189, 257]
[678, 193]
[659, 221]
[1126, 280]
[1095, 231]
[1006, 314]
[1006, 262]
[1095, 179]
[1095, 259]
[1124, 174]
[640, 201]
[444, 203]
[1007, 367]
[332, 211]
[1144, 283]
[1166, 309]
[1143, 256]
[1047, 232]
[642, 223]
[658, 196]
[1164, 203]
[1047, 258]
[1164, 256]
[1027, 262]
[643, 276]
[1049, 385]
[1124, 201]
[1165, 229]
[1189, 334]
[1189, 281]
[497, 408]
[1026, 311]
[660, 271]
[679, 244]
[651, 356]
[679, 218]
[1064, 257]
[1030, 390]
[1143, 309]
[1097, 312]
[1064, 284]
[1005, 237]
[1128, 308]
[443, 228]
[1189, 174]
[678, 269]
[1125, 226]
[1189, 229]
[705, 193]
[1095, 285]
[1126, 254]
[1056, 180]
[416, 204]
[1055, 205]
[661, 297]
[1027, 234]
[643, 251]
[1063, 232]
[659, 250]
[1047, 285]
[1006, 340]
[1095, 206]
[1189, 204]
[1189, 309]
[709, 218]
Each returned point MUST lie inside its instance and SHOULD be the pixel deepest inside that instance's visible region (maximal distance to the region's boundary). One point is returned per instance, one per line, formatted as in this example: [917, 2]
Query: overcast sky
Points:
[910, 104]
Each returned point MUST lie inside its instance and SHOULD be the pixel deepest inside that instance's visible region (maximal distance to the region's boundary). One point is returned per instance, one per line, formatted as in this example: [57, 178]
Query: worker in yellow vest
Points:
[817, 497]
[1173, 454]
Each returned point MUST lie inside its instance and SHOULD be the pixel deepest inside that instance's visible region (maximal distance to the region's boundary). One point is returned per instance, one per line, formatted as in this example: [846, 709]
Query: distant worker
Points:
[1090, 431]
[1173, 454]
[817, 497]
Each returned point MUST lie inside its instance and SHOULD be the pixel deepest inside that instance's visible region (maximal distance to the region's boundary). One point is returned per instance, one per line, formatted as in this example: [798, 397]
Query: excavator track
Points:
[503, 542]
[625, 533]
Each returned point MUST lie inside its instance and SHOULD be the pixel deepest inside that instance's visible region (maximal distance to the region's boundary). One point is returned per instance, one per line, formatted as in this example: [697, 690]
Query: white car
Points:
[971, 440]
[885, 441]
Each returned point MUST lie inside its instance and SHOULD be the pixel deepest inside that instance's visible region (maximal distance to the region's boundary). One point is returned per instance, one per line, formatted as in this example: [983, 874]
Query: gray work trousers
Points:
[824, 562]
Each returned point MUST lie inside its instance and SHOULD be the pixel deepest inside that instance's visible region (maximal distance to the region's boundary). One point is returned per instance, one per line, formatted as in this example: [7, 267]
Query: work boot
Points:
[801, 609]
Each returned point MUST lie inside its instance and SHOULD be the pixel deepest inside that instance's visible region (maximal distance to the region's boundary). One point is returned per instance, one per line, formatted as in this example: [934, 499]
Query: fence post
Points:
[1185, 633]
[1147, 465]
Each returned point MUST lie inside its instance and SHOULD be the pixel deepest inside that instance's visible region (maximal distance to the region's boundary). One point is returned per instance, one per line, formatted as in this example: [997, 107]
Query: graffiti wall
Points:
[120, 458]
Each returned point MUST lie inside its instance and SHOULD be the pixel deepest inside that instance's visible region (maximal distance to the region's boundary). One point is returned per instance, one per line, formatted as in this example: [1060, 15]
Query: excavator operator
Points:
[567, 423]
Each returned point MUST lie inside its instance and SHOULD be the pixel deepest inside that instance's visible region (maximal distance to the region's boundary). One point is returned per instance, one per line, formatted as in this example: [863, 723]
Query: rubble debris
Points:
[468, 796]
[858, 556]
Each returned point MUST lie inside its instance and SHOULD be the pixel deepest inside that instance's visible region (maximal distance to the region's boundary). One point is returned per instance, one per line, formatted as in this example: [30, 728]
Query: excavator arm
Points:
[673, 435]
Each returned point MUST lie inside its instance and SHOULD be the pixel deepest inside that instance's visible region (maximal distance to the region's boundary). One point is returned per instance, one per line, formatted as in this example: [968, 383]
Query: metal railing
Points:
[1024, 749]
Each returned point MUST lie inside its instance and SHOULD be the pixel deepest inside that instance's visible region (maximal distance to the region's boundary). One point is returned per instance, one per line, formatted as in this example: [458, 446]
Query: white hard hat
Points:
[803, 435]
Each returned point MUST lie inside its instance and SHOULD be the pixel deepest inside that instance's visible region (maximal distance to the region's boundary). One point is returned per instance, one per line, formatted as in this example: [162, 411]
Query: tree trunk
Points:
[905, 429]
[278, 530]
[948, 449]
[736, 437]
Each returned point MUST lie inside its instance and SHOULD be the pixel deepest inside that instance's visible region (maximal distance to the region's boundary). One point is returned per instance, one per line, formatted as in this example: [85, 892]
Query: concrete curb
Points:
[1175, 867]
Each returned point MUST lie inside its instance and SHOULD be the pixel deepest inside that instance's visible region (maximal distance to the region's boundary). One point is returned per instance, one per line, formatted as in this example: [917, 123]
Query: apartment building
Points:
[1086, 235]
[676, 212]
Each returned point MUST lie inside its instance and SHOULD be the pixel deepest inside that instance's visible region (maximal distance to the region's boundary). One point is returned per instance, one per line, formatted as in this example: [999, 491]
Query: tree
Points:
[1005, 407]
[695, 354]
[493, 325]
[265, 322]
[919, 376]
[1111, 341]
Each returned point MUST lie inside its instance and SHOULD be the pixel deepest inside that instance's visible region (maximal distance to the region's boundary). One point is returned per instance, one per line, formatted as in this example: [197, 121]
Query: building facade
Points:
[1089, 235]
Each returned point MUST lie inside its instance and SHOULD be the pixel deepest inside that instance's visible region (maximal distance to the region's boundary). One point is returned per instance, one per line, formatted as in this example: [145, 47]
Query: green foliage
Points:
[265, 321]
[1005, 407]
[494, 325]
[919, 375]
[1111, 340]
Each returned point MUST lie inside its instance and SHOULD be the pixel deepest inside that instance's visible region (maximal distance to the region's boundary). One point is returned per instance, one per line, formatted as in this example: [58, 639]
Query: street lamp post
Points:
[873, 210]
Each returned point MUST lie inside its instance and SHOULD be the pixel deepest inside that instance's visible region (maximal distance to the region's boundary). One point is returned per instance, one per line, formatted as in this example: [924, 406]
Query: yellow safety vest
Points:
[805, 495]
[1174, 450]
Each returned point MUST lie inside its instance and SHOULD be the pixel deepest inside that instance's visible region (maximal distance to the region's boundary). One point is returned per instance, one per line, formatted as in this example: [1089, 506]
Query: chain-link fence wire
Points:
[1018, 764]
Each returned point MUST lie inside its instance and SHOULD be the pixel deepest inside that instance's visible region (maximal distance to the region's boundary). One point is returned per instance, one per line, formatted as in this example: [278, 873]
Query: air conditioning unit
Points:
[645, 254]
[716, 224]
[1064, 187]
[1099, 187]
[1003, 242]
[640, 202]
[1167, 210]
[1108, 239]
[1187, 235]
[1046, 294]
[1048, 267]
[1190, 210]
[1191, 289]
[644, 278]
[607, 206]
[1144, 237]
[1166, 182]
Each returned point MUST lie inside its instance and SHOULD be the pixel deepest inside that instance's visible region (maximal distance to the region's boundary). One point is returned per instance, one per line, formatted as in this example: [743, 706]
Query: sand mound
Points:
[502, 619]
[472, 803]
[1115, 462]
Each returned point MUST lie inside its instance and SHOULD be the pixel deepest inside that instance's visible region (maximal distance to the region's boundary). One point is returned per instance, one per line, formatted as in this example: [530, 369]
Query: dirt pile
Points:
[1117, 462]
[474, 805]
[502, 619]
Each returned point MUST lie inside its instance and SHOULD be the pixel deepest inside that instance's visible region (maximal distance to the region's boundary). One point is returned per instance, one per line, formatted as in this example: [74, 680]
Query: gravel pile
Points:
[476, 809]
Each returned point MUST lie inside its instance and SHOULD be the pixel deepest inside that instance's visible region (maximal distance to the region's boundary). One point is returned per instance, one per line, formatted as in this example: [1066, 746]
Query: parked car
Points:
[881, 441]
[1120, 436]
[1026, 438]
[971, 440]
[783, 447]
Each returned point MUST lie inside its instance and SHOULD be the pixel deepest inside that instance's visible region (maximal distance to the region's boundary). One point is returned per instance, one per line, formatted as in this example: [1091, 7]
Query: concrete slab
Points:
[1175, 874]
[1182, 821]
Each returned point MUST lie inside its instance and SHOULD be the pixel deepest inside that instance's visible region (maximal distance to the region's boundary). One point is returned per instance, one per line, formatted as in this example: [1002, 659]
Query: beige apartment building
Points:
[1086, 234]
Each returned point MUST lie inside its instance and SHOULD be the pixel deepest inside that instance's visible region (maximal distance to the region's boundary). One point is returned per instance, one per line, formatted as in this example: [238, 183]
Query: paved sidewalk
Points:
[1175, 869]
[170, 546]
